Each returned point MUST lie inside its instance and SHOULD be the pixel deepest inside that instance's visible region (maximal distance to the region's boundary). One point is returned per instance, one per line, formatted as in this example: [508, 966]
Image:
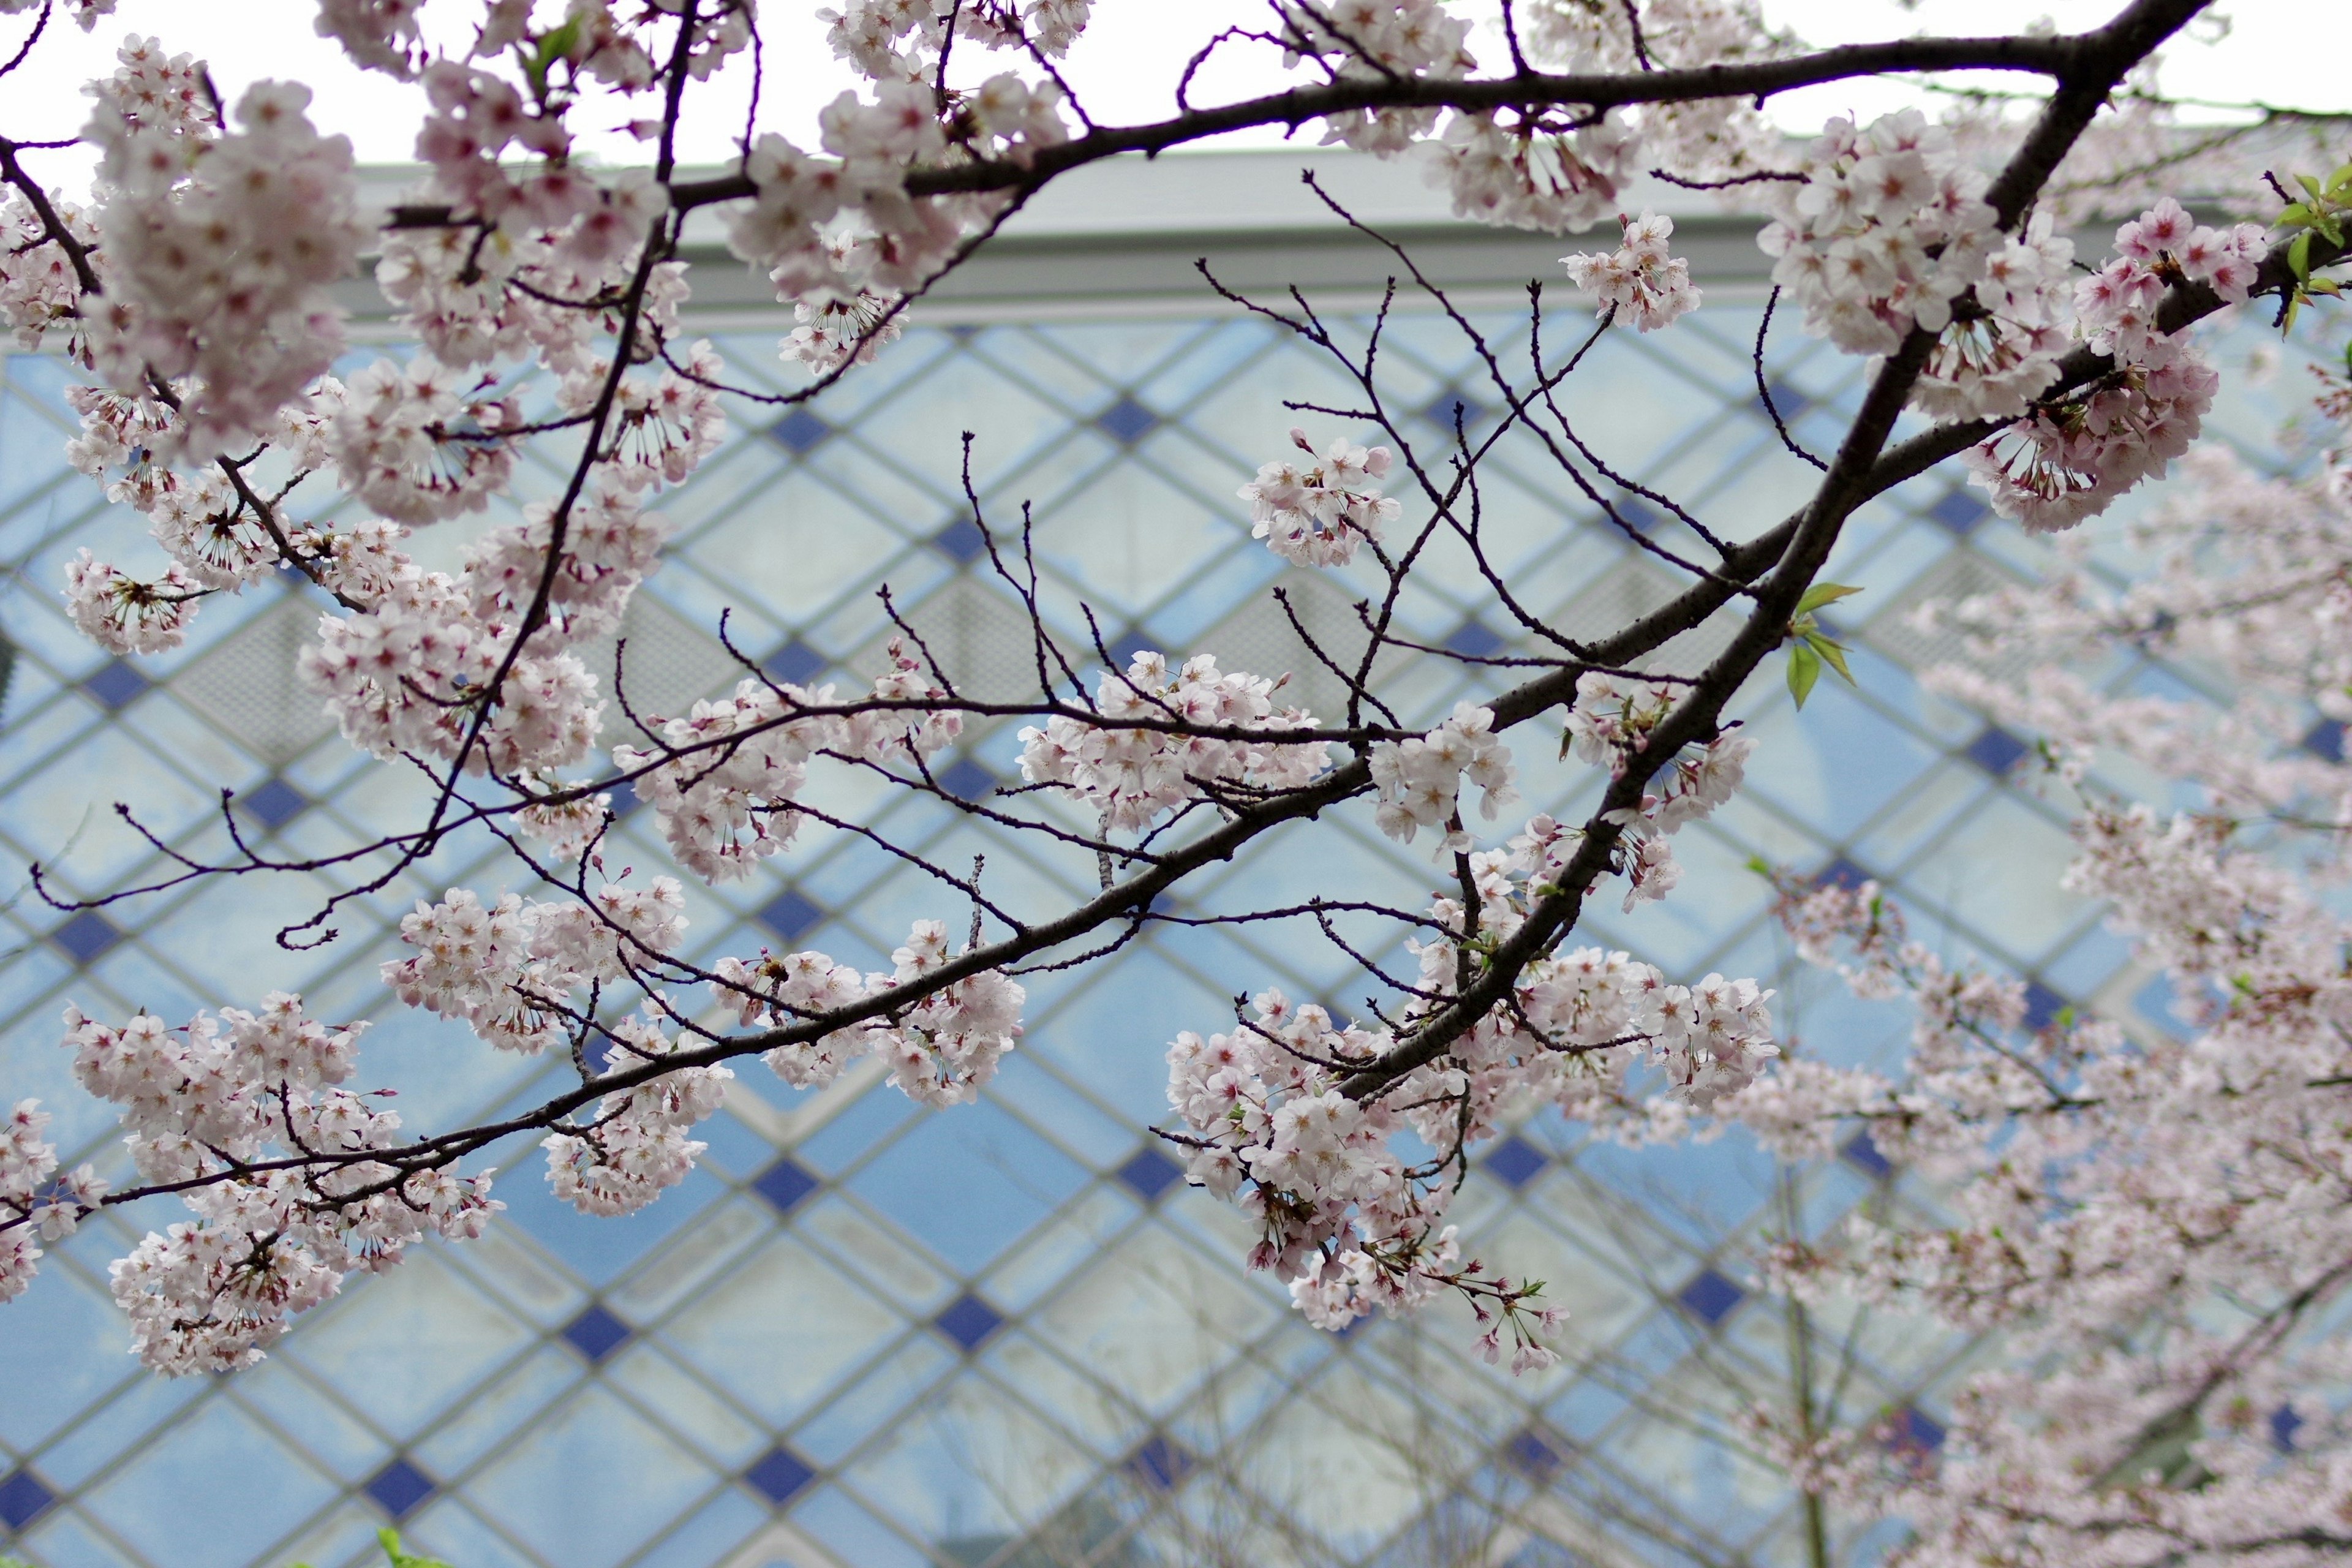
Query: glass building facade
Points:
[868, 1335]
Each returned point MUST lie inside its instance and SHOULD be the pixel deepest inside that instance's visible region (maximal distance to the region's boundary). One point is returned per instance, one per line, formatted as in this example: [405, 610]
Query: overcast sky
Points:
[2287, 52]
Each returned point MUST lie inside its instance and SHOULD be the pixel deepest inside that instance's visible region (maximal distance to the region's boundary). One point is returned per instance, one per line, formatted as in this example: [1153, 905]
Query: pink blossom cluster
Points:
[2091, 1177]
[1639, 278]
[2068, 461]
[1610, 725]
[2245, 577]
[408, 675]
[1887, 228]
[1359, 39]
[636, 1147]
[124, 615]
[39, 291]
[1419, 779]
[85, 13]
[942, 1050]
[1701, 139]
[1529, 178]
[510, 969]
[1133, 773]
[418, 442]
[901, 40]
[218, 251]
[1272, 1124]
[724, 784]
[473, 297]
[1318, 514]
[220, 1096]
[25, 1162]
[841, 234]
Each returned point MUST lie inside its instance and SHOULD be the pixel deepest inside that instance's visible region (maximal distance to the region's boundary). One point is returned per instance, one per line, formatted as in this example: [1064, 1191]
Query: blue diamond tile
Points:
[116, 683]
[1860, 1152]
[596, 1333]
[275, 802]
[1913, 1431]
[1789, 401]
[2043, 1005]
[1639, 515]
[1474, 639]
[1710, 1297]
[399, 1487]
[784, 1183]
[962, 541]
[2326, 740]
[1127, 420]
[1996, 750]
[2285, 1424]
[624, 799]
[1534, 1453]
[87, 936]
[966, 779]
[798, 431]
[23, 1499]
[1149, 1172]
[1159, 1463]
[1840, 873]
[968, 1321]
[1442, 409]
[1516, 1161]
[795, 663]
[1123, 651]
[1959, 511]
[780, 1474]
[790, 915]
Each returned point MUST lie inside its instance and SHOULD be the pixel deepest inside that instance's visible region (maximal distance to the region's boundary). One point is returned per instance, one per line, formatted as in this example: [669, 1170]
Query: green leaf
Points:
[2341, 178]
[1760, 866]
[2298, 256]
[2312, 185]
[1804, 668]
[1832, 651]
[2328, 226]
[389, 1539]
[1822, 593]
[2295, 215]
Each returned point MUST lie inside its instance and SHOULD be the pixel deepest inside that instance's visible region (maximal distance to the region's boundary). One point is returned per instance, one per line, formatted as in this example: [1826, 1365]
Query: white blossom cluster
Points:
[1640, 278]
[216, 1096]
[2066, 462]
[724, 786]
[1419, 779]
[1319, 513]
[1134, 774]
[942, 1050]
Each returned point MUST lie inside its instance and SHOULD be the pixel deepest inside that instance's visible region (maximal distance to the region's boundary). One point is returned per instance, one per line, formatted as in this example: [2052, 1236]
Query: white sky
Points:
[2283, 51]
